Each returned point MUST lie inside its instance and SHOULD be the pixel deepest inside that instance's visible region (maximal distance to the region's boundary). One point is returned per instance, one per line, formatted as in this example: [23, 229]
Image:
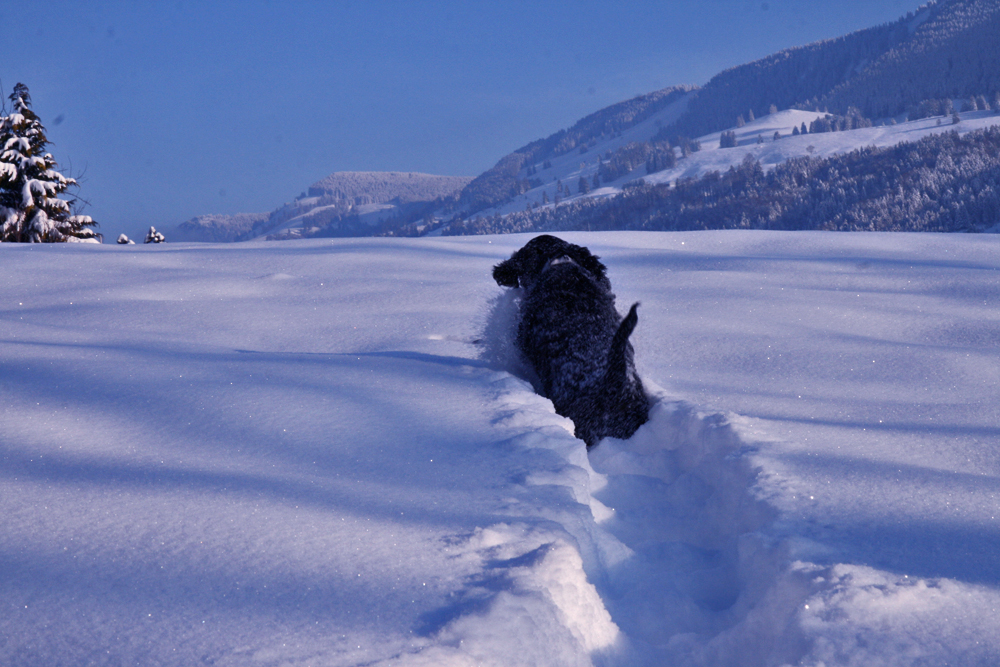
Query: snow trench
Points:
[648, 550]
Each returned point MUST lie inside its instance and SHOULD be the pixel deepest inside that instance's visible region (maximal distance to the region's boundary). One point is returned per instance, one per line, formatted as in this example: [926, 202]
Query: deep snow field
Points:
[313, 453]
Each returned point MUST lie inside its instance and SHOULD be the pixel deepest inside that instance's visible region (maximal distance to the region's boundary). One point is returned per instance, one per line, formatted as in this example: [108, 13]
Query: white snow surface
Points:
[316, 453]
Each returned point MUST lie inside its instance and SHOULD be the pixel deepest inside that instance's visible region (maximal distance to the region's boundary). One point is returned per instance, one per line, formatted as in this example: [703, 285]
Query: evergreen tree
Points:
[739, 121]
[751, 116]
[30, 209]
[583, 186]
[596, 182]
[772, 109]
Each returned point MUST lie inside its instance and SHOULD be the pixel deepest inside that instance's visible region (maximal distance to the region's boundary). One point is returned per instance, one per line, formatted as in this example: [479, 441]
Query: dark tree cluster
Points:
[852, 120]
[624, 160]
[930, 108]
[662, 157]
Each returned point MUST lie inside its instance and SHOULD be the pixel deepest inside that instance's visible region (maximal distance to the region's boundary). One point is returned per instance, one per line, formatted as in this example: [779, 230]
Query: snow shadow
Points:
[497, 342]
[140, 420]
[938, 541]
[682, 489]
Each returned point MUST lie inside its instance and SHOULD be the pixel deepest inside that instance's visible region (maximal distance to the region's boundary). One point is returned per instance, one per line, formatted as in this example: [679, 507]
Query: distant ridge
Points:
[380, 187]
[216, 228]
[362, 197]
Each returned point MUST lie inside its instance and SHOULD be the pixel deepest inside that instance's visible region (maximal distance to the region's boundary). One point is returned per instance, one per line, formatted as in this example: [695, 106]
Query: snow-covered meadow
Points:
[310, 453]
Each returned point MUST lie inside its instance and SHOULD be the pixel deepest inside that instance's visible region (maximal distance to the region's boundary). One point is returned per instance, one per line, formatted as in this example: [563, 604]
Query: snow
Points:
[314, 453]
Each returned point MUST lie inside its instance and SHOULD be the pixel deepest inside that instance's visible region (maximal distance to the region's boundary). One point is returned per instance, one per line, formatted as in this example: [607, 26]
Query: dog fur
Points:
[574, 339]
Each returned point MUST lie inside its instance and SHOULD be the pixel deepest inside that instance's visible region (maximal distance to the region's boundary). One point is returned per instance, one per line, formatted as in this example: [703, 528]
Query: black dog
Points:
[574, 338]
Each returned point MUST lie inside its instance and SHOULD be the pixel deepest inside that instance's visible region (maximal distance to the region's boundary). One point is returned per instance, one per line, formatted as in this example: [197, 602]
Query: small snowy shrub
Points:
[124, 240]
[153, 236]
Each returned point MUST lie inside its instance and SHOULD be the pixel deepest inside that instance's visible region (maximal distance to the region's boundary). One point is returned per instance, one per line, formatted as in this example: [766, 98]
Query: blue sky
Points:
[176, 109]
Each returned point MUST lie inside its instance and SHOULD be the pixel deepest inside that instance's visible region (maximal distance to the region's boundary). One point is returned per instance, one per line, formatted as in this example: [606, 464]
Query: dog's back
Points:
[575, 340]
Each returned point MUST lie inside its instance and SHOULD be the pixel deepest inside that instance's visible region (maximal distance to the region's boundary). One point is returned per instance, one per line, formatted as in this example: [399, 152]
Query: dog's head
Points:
[527, 264]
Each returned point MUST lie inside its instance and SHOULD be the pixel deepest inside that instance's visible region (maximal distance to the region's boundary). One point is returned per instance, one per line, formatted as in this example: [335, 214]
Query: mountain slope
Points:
[946, 49]
[381, 187]
[357, 199]
[217, 228]
[509, 176]
[916, 176]
[955, 53]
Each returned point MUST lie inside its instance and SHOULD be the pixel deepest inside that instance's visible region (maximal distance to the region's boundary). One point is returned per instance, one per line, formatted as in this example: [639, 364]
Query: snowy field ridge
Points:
[324, 453]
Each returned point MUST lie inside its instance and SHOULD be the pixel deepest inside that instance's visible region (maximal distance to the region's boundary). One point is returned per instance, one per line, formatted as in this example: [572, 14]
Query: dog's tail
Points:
[620, 353]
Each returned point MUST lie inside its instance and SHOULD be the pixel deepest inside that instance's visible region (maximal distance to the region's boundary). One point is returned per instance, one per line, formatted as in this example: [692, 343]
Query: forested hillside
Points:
[954, 54]
[380, 187]
[786, 79]
[943, 183]
[946, 49]
[506, 179]
[913, 66]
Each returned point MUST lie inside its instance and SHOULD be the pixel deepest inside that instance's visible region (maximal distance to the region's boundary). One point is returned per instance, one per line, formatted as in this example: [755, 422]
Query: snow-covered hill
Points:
[568, 169]
[298, 454]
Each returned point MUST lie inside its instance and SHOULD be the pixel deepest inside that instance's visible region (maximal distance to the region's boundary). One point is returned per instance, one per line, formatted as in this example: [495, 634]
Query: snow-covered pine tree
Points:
[30, 209]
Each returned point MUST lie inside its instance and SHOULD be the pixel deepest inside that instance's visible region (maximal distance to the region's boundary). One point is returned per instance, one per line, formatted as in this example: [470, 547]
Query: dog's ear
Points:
[591, 263]
[506, 273]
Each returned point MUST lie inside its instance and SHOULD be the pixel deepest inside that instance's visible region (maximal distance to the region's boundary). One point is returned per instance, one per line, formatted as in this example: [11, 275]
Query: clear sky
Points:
[176, 109]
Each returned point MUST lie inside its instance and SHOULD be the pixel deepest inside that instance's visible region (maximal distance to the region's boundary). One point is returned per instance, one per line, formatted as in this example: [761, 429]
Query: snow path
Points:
[292, 454]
